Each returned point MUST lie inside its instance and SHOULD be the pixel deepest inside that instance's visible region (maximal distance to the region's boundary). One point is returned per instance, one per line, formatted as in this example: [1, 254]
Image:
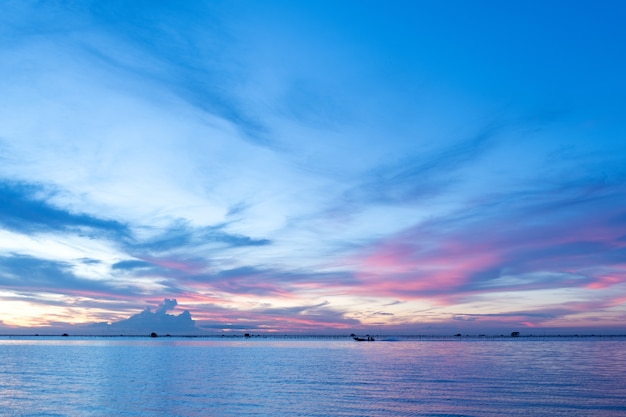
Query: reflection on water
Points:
[263, 377]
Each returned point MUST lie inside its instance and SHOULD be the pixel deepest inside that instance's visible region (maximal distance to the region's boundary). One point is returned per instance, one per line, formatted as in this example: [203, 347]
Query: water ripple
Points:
[142, 377]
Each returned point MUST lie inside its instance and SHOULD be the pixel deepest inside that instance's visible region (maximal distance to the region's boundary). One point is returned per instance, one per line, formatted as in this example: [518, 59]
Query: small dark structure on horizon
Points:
[153, 334]
[367, 338]
[65, 335]
[515, 334]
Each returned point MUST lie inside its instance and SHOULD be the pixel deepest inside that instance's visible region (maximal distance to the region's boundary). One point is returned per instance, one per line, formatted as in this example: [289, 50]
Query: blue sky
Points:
[314, 166]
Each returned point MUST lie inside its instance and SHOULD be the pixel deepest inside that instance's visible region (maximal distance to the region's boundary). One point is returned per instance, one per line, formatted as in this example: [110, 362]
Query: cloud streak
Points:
[23, 208]
[538, 241]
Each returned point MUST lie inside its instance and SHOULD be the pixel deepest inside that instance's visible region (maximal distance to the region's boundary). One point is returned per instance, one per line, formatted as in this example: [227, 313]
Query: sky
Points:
[314, 167]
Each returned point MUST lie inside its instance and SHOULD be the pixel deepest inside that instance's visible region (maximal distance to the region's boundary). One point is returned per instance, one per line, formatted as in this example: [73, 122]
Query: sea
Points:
[312, 376]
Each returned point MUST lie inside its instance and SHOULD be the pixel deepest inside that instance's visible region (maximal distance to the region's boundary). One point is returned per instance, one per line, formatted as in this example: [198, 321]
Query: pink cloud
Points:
[411, 263]
[604, 281]
[445, 261]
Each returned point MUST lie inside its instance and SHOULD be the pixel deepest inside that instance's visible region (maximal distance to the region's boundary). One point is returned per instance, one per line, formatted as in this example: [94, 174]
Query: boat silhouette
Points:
[367, 338]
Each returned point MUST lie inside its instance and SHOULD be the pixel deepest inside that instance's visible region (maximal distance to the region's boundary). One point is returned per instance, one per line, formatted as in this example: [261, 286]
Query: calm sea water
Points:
[266, 377]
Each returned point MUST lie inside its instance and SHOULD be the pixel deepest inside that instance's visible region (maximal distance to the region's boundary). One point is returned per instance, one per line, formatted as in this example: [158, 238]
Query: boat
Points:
[367, 338]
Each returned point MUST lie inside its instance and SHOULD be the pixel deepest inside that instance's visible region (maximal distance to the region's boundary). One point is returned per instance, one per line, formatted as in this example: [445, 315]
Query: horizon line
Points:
[320, 336]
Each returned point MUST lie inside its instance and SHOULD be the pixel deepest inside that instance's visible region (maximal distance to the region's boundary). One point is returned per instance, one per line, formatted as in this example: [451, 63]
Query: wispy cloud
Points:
[425, 175]
[524, 241]
[24, 208]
